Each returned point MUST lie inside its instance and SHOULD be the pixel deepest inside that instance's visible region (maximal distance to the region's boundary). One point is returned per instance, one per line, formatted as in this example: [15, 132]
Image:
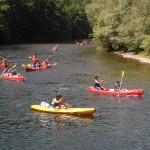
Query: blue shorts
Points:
[54, 106]
[97, 87]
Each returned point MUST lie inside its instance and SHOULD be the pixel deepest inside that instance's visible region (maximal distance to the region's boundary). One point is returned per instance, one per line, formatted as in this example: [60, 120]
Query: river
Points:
[117, 124]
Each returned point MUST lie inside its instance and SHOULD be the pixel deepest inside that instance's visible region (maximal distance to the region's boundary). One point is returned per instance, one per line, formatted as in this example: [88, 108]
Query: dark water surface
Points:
[118, 124]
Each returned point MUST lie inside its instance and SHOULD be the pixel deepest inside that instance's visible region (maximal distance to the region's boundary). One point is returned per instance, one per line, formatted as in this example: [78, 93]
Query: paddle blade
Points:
[30, 57]
[54, 64]
[14, 66]
[122, 74]
[23, 65]
[29, 65]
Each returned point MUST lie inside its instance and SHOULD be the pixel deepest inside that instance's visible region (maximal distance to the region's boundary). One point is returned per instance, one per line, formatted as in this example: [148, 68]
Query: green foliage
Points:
[145, 44]
[120, 24]
[42, 20]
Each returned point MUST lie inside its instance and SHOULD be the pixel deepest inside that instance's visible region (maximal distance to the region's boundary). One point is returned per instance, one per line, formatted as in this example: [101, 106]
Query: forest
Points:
[121, 24]
[26, 21]
[114, 24]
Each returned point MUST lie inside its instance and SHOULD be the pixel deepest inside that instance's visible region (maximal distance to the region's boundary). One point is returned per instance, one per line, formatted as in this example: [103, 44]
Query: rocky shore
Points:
[141, 58]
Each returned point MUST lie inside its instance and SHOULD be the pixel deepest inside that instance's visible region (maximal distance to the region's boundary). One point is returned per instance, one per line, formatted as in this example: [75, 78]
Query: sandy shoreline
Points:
[141, 58]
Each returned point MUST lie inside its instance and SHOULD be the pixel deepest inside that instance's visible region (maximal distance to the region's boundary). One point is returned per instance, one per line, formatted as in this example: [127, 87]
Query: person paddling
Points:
[5, 62]
[55, 48]
[36, 62]
[45, 63]
[13, 72]
[57, 102]
[117, 86]
[97, 84]
[5, 71]
[34, 58]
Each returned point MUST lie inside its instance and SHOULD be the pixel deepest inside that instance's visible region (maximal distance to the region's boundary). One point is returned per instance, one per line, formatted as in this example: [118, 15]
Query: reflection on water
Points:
[60, 120]
[99, 97]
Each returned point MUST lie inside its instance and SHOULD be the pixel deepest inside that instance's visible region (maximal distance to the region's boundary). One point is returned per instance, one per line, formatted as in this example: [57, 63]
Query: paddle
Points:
[121, 78]
[54, 64]
[29, 65]
[121, 82]
[11, 68]
[46, 59]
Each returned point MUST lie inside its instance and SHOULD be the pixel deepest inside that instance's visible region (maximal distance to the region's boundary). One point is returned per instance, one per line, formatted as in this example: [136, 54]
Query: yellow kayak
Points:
[71, 111]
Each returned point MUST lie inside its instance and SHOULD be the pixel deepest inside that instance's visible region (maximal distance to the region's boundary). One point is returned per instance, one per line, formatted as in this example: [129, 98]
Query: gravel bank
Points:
[141, 58]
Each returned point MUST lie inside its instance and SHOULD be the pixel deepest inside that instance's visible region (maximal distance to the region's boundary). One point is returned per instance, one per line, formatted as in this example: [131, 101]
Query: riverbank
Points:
[138, 57]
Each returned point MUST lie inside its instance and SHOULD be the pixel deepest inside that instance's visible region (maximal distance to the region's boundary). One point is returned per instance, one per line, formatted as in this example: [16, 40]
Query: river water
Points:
[118, 124]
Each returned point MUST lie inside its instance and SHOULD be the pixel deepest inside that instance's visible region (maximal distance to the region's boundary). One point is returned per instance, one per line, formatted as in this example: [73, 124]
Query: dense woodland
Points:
[121, 24]
[42, 20]
[114, 24]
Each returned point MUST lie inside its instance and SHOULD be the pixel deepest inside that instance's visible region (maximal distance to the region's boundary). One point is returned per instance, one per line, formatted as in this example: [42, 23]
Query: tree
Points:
[120, 24]
[42, 20]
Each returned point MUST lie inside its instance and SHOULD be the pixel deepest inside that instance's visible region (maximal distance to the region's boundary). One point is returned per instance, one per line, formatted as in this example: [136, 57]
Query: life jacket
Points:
[34, 60]
[5, 63]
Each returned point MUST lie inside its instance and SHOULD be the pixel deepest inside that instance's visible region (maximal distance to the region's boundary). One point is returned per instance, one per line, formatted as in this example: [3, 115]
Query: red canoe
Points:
[13, 77]
[131, 92]
[28, 69]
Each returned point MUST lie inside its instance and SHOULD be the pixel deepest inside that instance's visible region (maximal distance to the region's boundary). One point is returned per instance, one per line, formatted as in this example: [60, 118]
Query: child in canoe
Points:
[5, 62]
[5, 71]
[117, 86]
[14, 72]
[35, 60]
[97, 84]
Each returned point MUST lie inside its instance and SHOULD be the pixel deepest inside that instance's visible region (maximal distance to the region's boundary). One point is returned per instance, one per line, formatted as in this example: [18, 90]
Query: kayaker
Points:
[45, 63]
[5, 71]
[55, 48]
[5, 62]
[34, 58]
[117, 86]
[97, 84]
[13, 72]
[57, 102]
